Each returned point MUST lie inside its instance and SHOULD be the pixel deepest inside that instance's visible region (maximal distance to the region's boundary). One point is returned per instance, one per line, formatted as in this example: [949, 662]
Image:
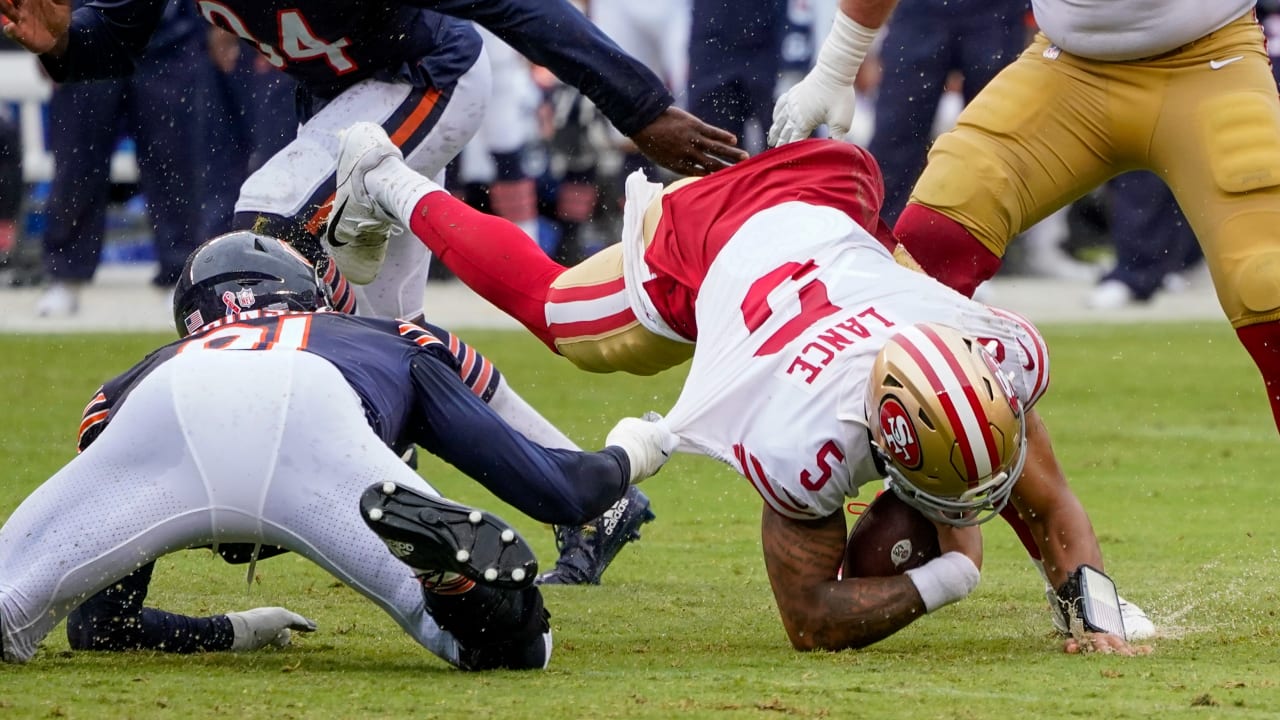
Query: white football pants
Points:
[213, 446]
[302, 174]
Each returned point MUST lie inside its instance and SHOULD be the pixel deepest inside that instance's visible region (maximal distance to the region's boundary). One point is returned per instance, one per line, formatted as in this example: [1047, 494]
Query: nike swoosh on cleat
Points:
[1219, 64]
[333, 220]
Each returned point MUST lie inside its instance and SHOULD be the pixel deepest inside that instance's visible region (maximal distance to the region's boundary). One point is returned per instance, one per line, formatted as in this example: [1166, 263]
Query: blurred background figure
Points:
[927, 43]
[23, 97]
[11, 183]
[655, 32]
[490, 173]
[249, 116]
[11, 190]
[157, 107]
[735, 61]
[578, 170]
[1154, 245]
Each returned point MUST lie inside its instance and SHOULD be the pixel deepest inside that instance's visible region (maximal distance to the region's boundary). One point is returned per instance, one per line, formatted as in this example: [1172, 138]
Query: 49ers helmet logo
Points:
[899, 434]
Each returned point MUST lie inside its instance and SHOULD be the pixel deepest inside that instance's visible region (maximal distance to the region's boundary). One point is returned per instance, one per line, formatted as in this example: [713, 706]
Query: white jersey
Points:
[1115, 30]
[791, 316]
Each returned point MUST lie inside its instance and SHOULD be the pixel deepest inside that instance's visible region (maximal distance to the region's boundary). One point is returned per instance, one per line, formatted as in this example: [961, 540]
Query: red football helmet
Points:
[946, 424]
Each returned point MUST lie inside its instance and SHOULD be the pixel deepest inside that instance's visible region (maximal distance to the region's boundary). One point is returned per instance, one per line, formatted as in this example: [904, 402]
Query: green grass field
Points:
[1163, 429]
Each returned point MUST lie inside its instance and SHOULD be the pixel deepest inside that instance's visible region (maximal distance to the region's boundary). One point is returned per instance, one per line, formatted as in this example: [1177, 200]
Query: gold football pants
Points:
[625, 346]
[1052, 126]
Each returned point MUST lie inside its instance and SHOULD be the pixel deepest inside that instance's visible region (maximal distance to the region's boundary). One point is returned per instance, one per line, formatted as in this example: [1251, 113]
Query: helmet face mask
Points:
[243, 271]
[945, 424]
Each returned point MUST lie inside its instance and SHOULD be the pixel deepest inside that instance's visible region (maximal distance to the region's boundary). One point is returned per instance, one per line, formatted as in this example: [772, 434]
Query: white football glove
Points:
[648, 443]
[260, 627]
[825, 95]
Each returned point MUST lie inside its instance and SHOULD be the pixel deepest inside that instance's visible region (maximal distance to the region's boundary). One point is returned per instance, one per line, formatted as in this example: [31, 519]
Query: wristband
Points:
[844, 49]
[944, 580]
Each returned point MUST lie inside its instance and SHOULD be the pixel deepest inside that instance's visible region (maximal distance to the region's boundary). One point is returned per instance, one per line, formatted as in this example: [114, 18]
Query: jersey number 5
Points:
[814, 304]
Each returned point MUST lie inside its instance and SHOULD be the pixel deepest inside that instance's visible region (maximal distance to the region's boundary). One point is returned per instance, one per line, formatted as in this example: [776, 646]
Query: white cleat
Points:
[1111, 295]
[60, 299]
[358, 227]
[1137, 626]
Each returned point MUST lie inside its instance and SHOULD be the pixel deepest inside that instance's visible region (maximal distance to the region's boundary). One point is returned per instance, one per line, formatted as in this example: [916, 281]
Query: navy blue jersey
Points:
[330, 44]
[418, 385]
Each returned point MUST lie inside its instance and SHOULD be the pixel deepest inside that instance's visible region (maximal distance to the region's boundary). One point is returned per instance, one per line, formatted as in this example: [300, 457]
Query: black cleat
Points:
[433, 535]
[587, 550]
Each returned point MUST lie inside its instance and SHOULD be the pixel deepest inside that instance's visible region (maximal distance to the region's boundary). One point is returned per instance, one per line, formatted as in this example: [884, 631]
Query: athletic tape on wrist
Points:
[844, 49]
[944, 580]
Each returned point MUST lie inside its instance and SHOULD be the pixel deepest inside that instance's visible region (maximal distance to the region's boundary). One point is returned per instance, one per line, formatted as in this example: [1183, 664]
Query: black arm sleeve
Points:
[563, 487]
[115, 619]
[556, 35]
[105, 37]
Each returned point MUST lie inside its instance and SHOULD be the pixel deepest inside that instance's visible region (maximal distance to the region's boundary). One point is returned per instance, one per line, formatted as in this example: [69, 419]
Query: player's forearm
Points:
[562, 487]
[1057, 519]
[855, 613]
[819, 612]
[554, 34]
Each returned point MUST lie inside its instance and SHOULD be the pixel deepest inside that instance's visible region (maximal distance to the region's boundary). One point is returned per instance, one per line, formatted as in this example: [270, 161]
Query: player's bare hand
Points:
[1104, 643]
[966, 540]
[682, 143]
[37, 25]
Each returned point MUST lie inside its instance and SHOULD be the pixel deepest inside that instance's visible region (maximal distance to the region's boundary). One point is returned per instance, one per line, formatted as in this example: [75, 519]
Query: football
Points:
[889, 538]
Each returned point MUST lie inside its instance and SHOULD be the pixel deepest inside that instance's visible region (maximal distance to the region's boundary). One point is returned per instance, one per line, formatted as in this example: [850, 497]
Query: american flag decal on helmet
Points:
[194, 321]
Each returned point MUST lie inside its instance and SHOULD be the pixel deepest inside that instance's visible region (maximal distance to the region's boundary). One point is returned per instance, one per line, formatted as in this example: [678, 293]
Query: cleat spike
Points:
[426, 531]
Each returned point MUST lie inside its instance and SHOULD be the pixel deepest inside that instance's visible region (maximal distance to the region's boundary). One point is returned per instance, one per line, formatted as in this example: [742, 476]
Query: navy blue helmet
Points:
[243, 271]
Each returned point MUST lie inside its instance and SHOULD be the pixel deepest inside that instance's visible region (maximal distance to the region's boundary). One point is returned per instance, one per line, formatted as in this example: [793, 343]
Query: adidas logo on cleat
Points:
[399, 548]
[613, 516]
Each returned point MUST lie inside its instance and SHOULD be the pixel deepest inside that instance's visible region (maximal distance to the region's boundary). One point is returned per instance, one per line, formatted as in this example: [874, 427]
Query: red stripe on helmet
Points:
[970, 394]
[944, 399]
